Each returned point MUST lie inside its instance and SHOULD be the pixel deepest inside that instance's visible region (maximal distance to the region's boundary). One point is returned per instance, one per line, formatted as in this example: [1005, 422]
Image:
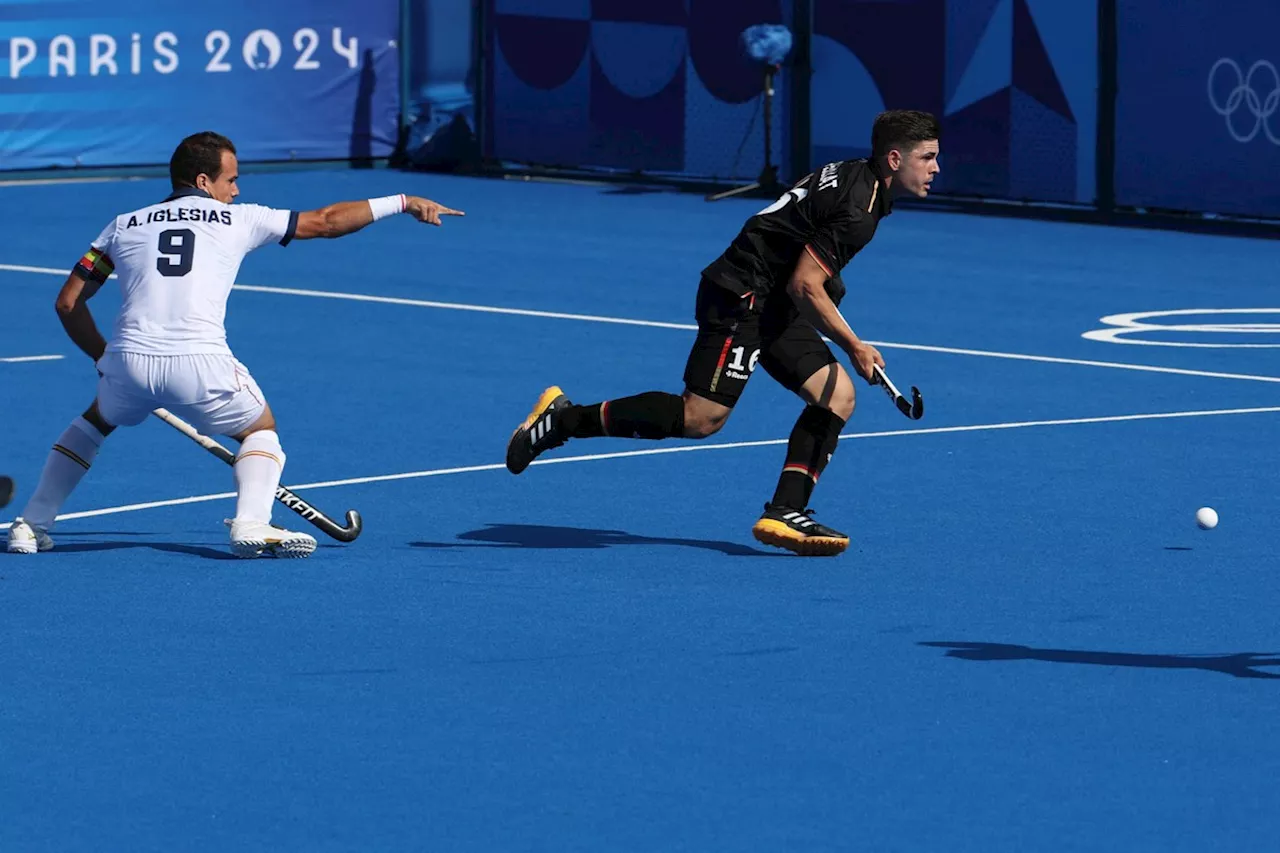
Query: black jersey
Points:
[832, 212]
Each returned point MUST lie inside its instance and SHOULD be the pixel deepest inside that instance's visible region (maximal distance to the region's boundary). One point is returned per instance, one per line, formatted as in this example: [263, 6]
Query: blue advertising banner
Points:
[1021, 113]
[660, 86]
[1013, 81]
[1196, 115]
[664, 86]
[93, 84]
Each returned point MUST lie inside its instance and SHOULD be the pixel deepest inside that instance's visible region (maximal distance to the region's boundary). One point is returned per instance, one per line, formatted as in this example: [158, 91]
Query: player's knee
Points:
[93, 416]
[843, 400]
[266, 422]
[700, 421]
[703, 427]
[830, 388]
[262, 442]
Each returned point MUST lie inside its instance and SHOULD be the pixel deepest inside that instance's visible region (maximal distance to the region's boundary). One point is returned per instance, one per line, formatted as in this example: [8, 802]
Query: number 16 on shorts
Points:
[736, 368]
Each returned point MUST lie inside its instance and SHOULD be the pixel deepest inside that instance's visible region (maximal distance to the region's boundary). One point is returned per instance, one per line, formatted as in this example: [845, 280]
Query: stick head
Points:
[6, 490]
[916, 410]
[355, 525]
[913, 409]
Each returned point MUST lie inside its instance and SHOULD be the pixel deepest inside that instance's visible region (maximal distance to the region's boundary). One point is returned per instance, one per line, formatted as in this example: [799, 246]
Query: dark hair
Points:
[198, 154]
[902, 129]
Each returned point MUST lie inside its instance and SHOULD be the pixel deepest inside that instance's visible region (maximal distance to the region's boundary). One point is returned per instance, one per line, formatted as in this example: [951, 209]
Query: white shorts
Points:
[213, 393]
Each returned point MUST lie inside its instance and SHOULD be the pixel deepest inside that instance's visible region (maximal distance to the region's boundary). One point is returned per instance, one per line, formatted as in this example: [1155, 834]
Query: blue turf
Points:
[1029, 646]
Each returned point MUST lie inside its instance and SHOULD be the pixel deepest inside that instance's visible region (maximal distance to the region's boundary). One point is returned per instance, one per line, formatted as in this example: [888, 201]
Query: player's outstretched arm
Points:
[807, 288]
[347, 217]
[75, 316]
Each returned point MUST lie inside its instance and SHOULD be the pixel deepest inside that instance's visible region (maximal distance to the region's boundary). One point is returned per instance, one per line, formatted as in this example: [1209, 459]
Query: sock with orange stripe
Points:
[653, 415]
[813, 441]
[67, 464]
[258, 467]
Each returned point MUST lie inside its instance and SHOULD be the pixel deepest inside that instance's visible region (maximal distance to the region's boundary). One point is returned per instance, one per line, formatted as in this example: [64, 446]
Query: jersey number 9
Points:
[177, 251]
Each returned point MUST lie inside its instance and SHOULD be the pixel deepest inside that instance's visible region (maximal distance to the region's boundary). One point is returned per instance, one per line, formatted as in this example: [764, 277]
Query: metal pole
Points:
[1108, 87]
[481, 85]
[405, 43]
[768, 118]
[799, 100]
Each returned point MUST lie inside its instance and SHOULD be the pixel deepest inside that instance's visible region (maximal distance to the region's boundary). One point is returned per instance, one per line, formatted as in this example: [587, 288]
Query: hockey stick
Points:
[6, 491]
[286, 497]
[913, 409]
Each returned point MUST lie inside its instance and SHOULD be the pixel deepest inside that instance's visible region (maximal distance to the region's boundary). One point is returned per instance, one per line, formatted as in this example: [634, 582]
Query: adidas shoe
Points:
[27, 539]
[540, 431]
[796, 531]
[258, 538]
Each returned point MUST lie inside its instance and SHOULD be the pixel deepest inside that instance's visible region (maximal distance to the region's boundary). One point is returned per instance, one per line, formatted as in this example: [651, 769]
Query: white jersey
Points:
[176, 262]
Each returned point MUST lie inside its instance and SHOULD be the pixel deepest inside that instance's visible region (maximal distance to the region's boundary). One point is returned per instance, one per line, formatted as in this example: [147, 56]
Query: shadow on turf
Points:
[168, 547]
[1240, 665]
[543, 536]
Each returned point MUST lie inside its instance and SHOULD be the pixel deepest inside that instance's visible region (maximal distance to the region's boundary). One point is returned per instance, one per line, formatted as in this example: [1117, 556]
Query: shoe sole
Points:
[779, 535]
[247, 549]
[29, 546]
[546, 401]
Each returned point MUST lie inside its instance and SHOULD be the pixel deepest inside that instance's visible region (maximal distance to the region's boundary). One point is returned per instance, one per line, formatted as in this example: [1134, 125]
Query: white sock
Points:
[68, 462]
[258, 467]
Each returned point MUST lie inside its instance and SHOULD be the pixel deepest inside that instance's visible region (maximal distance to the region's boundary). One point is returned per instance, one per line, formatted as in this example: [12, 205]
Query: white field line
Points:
[21, 359]
[655, 324]
[40, 182]
[684, 448]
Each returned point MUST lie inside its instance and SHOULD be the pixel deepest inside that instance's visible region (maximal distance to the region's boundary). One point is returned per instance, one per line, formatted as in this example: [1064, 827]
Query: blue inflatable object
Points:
[767, 42]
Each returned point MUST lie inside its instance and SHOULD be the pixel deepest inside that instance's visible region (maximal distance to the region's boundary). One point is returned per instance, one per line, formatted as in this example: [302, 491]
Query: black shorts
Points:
[734, 334]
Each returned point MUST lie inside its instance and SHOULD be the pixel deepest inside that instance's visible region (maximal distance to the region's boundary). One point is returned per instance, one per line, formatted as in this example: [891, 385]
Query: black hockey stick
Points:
[913, 409]
[6, 491]
[286, 497]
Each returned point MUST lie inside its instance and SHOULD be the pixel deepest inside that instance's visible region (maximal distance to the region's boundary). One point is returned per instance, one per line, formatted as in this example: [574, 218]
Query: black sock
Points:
[652, 415]
[813, 440]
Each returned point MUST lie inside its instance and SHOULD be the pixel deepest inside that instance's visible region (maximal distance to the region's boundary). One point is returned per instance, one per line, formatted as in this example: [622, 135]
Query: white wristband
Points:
[386, 206]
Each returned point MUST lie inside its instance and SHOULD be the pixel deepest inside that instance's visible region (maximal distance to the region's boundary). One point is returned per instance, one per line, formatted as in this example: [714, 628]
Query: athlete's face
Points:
[915, 169]
[226, 186]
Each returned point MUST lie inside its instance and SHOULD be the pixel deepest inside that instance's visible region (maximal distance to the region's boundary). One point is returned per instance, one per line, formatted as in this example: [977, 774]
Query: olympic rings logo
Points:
[1243, 94]
[1138, 328]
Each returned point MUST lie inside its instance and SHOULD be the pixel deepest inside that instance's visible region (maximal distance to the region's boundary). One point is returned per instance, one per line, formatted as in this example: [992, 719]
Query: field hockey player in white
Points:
[176, 262]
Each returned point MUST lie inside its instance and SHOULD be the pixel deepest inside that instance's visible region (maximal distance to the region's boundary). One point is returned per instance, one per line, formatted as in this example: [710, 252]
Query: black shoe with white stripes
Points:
[796, 531]
[540, 432]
